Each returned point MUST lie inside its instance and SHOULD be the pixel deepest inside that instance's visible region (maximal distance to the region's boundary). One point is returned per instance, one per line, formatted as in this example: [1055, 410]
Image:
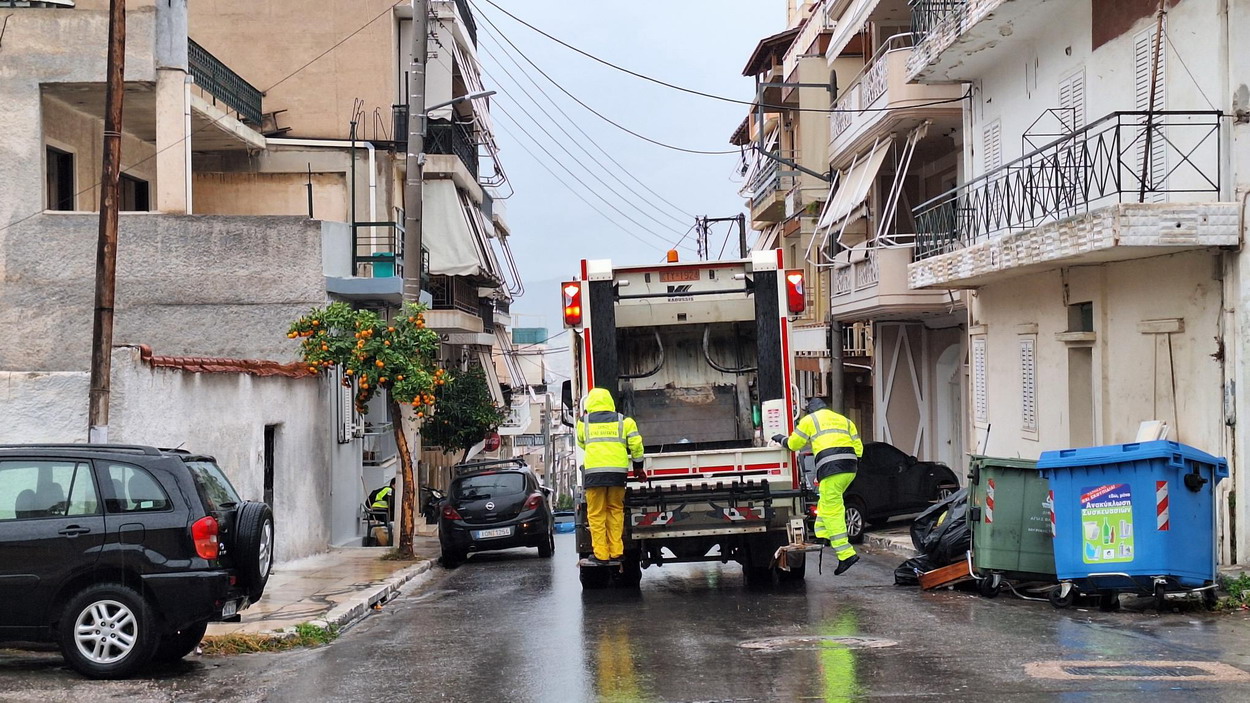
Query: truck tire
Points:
[253, 547]
[630, 575]
[107, 631]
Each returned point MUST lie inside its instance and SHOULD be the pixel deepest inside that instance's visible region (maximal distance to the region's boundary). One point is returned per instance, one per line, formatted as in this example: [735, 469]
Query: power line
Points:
[282, 80]
[700, 93]
[592, 140]
[593, 111]
[573, 139]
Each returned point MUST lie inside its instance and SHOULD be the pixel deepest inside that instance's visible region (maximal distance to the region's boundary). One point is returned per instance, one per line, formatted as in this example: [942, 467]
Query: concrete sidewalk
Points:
[331, 589]
[895, 539]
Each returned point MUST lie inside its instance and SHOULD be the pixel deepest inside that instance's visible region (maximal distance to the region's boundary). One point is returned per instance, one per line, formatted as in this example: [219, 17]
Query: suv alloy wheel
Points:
[107, 632]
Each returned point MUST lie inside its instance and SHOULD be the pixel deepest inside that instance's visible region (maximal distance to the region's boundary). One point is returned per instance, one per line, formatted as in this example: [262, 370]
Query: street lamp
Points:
[454, 101]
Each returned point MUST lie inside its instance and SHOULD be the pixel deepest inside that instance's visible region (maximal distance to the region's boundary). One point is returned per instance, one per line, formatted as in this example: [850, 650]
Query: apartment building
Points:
[263, 175]
[1096, 222]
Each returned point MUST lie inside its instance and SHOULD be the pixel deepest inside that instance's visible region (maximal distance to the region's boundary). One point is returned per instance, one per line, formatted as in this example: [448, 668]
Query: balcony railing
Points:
[223, 84]
[37, 3]
[857, 339]
[378, 446]
[452, 138]
[867, 86]
[927, 14]
[1099, 165]
[454, 293]
[378, 248]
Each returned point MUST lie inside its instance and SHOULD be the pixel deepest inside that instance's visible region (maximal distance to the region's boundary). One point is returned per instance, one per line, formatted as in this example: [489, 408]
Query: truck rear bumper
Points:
[696, 532]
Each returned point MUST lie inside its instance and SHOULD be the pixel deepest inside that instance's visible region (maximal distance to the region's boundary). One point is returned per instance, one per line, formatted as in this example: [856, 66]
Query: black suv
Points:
[494, 505]
[123, 554]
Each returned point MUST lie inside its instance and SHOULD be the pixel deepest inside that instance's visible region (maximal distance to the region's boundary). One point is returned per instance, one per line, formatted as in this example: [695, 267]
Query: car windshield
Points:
[214, 487]
[485, 486]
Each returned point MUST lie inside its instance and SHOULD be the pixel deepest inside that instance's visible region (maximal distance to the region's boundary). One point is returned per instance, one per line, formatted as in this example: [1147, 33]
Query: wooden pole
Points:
[106, 248]
[1150, 106]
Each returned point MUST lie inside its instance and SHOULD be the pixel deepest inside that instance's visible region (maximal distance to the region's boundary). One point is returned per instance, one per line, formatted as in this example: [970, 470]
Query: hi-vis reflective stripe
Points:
[1162, 518]
[989, 502]
[618, 437]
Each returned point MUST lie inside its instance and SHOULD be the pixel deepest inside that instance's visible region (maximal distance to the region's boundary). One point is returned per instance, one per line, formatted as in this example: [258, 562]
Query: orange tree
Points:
[398, 356]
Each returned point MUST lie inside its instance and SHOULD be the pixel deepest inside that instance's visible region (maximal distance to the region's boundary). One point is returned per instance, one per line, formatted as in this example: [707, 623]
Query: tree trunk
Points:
[407, 516]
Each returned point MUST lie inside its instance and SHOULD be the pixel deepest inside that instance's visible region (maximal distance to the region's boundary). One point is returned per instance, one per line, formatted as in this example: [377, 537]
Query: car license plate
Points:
[230, 609]
[491, 534]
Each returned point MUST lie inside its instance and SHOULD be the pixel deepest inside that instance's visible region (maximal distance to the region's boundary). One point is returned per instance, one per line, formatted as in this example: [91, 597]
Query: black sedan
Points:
[889, 483]
[494, 505]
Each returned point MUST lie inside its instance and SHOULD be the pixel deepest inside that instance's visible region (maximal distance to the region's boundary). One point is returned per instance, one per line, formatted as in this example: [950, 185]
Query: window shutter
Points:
[979, 401]
[1072, 101]
[1028, 385]
[347, 409]
[1143, 57]
[993, 145]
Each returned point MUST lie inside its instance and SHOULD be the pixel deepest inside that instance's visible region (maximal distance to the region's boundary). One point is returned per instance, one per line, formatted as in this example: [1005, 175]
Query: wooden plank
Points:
[945, 576]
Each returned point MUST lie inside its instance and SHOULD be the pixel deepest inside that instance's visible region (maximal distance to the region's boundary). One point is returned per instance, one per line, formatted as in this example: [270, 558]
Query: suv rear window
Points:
[214, 487]
[488, 485]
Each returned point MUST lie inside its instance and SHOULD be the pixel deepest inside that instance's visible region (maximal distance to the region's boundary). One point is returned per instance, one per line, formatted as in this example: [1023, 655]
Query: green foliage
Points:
[398, 356]
[1238, 590]
[564, 502]
[466, 412]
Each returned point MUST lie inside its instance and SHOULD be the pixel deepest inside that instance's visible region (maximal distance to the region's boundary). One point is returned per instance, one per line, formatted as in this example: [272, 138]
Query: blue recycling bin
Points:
[1134, 517]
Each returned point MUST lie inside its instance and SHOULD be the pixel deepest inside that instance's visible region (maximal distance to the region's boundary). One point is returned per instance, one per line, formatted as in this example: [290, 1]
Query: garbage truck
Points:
[699, 354]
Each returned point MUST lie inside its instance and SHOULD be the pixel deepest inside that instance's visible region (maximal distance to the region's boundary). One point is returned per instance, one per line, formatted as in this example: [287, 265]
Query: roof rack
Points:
[477, 466]
[82, 446]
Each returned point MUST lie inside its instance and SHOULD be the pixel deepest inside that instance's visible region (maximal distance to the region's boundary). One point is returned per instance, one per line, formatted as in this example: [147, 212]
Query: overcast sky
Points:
[700, 44]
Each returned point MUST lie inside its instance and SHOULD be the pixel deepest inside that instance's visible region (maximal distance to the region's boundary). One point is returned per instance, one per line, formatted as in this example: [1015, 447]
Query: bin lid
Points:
[982, 461]
[1119, 453]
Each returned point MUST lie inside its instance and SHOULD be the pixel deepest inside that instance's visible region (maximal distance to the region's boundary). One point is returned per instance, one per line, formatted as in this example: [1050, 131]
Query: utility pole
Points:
[416, 151]
[106, 246]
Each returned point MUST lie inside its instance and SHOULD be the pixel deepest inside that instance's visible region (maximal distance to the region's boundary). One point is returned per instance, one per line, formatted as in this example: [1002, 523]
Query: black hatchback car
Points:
[121, 554]
[494, 505]
[889, 483]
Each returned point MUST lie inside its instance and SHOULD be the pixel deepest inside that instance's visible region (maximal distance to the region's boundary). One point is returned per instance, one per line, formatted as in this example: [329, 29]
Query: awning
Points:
[452, 244]
[853, 186]
[504, 346]
[492, 379]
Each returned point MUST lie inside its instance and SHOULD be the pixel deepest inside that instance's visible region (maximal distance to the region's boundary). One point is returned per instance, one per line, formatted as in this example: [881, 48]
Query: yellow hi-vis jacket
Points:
[610, 439]
[834, 439]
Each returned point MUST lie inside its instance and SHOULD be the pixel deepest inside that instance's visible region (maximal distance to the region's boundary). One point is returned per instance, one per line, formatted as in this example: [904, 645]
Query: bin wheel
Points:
[1058, 599]
[1108, 601]
[1210, 599]
[990, 586]
[1161, 599]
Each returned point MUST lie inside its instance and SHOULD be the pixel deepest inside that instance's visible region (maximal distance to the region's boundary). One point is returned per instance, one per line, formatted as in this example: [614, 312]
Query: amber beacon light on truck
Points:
[572, 292]
[796, 297]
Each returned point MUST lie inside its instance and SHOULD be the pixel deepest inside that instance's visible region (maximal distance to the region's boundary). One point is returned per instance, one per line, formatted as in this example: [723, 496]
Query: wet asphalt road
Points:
[513, 627]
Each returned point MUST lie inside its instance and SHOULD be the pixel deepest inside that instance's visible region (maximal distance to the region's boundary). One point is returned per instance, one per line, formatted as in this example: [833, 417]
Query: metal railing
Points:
[37, 3]
[378, 248]
[867, 86]
[454, 293]
[857, 339]
[378, 445]
[927, 14]
[1101, 164]
[224, 84]
[466, 14]
[453, 138]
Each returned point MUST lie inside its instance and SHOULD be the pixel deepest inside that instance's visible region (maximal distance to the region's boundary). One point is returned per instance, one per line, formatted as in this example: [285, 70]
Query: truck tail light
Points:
[533, 502]
[451, 513]
[572, 303]
[796, 296]
[204, 535]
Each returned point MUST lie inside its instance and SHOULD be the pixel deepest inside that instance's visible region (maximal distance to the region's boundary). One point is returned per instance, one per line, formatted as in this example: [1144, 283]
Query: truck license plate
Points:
[491, 534]
[683, 275]
[230, 609]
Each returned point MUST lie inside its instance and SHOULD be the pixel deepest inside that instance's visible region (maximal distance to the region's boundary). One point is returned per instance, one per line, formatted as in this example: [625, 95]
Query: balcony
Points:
[457, 308]
[880, 100]
[224, 85]
[767, 189]
[376, 269]
[1089, 197]
[870, 283]
[857, 340]
[958, 40]
[454, 138]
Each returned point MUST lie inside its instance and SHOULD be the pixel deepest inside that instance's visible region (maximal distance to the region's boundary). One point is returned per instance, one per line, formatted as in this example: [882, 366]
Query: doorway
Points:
[949, 392]
[271, 443]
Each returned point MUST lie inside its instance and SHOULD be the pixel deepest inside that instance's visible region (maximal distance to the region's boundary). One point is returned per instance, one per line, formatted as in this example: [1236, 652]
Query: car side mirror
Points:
[566, 403]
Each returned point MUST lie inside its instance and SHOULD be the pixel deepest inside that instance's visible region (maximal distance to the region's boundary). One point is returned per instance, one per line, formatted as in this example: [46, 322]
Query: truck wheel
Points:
[107, 631]
[594, 577]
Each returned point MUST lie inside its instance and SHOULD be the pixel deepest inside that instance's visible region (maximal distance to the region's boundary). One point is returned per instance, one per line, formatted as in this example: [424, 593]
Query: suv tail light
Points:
[450, 513]
[204, 534]
[533, 502]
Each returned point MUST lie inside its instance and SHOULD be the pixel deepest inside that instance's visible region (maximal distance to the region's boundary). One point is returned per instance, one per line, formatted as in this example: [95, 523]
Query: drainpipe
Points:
[346, 145]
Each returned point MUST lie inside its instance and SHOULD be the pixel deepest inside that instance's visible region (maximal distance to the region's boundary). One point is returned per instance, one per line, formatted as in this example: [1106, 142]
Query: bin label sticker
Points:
[1107, 524]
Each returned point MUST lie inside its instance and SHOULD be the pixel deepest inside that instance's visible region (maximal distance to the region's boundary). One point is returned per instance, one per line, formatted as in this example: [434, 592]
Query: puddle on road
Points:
[776, 644]
[1137, 671]
[431, 596]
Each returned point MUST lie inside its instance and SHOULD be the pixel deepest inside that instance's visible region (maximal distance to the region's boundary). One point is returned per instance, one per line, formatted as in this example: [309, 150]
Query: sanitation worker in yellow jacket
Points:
[836, 448]
[612, 442]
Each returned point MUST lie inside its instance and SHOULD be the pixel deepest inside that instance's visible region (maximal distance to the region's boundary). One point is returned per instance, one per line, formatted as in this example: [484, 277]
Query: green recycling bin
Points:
[1010, 517]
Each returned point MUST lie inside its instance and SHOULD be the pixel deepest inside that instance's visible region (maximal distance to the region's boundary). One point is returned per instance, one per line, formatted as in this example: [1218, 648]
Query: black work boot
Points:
[845, 564]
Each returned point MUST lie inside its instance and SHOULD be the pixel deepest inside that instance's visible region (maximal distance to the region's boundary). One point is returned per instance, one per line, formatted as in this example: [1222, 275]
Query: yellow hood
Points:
[599, 399]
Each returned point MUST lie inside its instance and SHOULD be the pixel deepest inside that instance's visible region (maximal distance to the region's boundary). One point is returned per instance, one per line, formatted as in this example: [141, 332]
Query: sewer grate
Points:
[772, 644]
[1137, 670]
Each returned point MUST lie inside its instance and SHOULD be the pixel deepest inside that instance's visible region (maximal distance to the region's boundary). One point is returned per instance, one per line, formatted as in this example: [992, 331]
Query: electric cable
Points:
[700, 93]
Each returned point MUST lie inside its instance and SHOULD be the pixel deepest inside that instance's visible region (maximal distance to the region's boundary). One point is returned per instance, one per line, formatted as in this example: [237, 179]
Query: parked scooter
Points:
[431, 504]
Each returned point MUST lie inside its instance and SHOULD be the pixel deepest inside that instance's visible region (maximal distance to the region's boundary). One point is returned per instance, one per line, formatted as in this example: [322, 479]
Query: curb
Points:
[891, 544]
[352, 611]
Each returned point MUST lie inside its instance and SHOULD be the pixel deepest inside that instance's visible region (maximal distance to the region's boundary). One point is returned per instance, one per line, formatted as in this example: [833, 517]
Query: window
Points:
[39, 489]
[1028, 385]
[1143, 70]
[134, 194]
[215, 488]
[486, 486]
[1072, 101]
[980, 405]
[993, 145]
[60, 179]
[135, 491]
[1081, 317]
